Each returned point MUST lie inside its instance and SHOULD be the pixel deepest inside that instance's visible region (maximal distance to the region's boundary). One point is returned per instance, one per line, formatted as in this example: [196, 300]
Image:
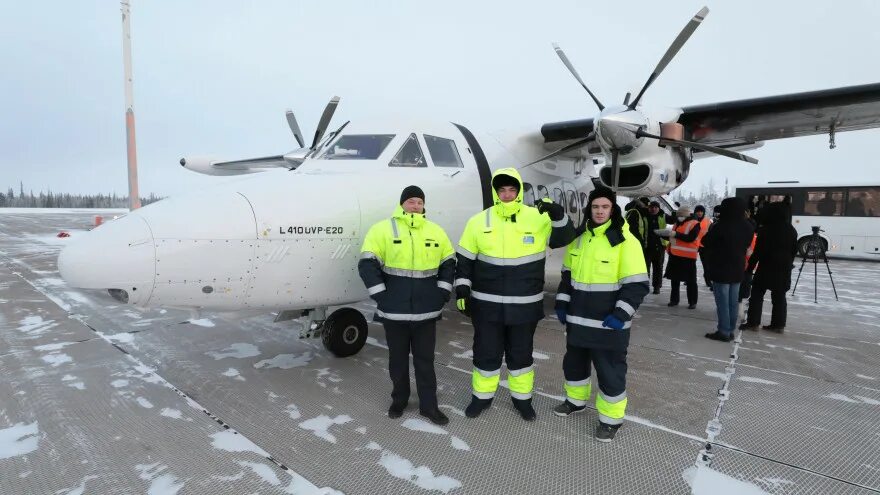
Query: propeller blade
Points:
[294, 127]
[324, 122]
[700, 146]
[570, 67]
[679, 41]
[615, 170]
[576, 144]
[626, 98]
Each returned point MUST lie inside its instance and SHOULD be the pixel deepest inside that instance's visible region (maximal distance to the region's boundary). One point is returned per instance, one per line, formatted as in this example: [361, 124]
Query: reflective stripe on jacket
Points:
[407, 264]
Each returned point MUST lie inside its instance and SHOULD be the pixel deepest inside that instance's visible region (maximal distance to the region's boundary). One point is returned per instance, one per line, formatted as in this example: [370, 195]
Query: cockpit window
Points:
[357, 147]
[410, 155]
[443, 152]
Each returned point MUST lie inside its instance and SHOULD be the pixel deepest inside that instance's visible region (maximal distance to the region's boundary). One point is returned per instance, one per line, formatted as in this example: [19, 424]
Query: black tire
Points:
[344, 332]
[805, 241]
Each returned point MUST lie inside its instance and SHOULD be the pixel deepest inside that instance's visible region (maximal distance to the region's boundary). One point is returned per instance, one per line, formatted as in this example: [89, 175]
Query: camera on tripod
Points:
[816, 229]
[814, 250]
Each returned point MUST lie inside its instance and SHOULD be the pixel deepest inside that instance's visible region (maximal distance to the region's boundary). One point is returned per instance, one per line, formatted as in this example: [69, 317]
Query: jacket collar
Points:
[413, 220]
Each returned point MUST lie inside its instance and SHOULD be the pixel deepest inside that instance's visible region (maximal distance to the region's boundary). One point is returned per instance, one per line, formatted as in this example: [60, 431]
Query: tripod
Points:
[814, 249]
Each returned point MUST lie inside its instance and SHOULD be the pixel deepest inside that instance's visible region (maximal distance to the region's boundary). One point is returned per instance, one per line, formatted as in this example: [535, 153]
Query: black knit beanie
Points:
[411, 192]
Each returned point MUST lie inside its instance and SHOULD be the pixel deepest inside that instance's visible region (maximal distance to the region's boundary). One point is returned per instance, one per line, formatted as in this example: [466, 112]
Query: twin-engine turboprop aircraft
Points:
[288, 239]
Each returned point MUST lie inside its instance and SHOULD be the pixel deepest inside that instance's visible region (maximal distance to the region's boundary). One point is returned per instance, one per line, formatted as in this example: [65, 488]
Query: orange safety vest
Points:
[751, 250]
[704, 227]
[681, 248]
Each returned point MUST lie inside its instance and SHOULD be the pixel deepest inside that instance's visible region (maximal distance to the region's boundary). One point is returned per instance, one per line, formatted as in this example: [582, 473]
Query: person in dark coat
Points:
[727, 242]
[774, 256]
[682, 264]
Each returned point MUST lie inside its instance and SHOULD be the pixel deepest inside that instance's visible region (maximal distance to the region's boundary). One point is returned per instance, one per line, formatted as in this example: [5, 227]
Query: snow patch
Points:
[160, 484]
[453, 409]
[144, 403]
[775, 484]
[122, 338]
[865, 377]
[19, 439]
[706, 481]
[53, 347]
[232, 441]
[362, 430]
[459, 444]
[57, 360]
[297, 485]
[77, 385]
[293, 411]
[203, 322]
[285, 361]
[374, 342]
[868, 400]
[35, 325]
[239, 350]
[233, 373]
[77, 490]
[468, 354]
[841, 397]
[716, 374]
[171, 413]
[119, 383]
[756, 380]
[424, 426]
[421, 476]
[319, 425]
[539, 355]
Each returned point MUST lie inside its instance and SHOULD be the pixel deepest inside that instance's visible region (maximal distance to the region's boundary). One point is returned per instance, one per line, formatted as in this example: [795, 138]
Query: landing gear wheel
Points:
[344, 332]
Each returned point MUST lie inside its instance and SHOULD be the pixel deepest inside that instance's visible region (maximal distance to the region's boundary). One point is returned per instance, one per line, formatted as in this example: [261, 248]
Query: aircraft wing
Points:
[742, 124]
[210, 166]
[251, 163]
[736, 123]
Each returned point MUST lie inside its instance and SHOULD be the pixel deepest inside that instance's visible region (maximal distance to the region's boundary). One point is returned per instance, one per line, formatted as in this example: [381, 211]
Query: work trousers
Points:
[654, 262]
[494, 341]
[674, 295]
[420, 338]
[756, 305]
[611, 374]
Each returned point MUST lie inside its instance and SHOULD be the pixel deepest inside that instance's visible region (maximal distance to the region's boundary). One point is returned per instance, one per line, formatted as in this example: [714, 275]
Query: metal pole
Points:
[134, 200]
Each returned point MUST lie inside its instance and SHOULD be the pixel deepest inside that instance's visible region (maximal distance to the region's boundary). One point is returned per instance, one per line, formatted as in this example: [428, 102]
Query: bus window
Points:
[863, 202]
[823, 202]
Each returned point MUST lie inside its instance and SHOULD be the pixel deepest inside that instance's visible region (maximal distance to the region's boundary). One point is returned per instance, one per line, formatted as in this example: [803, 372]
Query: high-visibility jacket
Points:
[407, 264]
[704, 227]
[603, 274]
[682, 248]
[635, 219]
[501, 258]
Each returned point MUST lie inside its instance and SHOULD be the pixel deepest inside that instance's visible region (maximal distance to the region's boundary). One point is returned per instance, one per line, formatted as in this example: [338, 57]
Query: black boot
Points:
[435, 415]
[605, 432]
[396, 409]
[524, 406]
[476, 406]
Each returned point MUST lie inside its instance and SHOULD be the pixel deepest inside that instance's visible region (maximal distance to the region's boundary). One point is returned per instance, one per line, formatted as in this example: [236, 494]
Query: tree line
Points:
[22, 199]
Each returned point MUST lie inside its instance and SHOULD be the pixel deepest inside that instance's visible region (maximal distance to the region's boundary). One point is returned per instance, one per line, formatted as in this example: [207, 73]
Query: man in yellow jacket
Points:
[500, 282]
[604, 280]
[407, 264]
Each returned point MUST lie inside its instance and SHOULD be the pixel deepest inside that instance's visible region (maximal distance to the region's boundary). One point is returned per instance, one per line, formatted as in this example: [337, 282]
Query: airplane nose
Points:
[120, 255]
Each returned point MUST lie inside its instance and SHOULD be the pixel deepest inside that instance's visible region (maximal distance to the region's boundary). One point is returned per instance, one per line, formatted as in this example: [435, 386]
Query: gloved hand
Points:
[463, 299]
[555, 211]
[614, 322]
[561, 315]
[671, 234]
[447, 295]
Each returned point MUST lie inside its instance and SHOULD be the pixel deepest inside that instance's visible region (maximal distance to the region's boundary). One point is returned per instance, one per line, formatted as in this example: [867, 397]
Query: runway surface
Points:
[99, 397]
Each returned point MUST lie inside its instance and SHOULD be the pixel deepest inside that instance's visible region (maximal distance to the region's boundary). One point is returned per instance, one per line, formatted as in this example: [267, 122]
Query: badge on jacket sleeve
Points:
[528, 239]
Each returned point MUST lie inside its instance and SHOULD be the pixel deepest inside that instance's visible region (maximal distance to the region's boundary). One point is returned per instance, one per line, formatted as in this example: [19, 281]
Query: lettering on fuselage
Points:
[310, 230]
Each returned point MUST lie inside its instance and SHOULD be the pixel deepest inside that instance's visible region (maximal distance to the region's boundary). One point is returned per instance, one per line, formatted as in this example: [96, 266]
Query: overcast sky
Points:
[215, 77]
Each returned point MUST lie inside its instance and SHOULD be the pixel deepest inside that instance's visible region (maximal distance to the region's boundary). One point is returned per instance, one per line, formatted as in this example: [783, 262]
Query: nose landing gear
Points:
[343, 333]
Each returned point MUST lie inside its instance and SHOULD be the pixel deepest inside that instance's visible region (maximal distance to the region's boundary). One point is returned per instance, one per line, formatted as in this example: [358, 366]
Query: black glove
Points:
[555, 211]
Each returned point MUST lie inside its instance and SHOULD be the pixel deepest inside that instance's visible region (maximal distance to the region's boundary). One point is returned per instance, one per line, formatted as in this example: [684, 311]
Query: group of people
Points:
[738, 262]
[497, 275]
[411, 270]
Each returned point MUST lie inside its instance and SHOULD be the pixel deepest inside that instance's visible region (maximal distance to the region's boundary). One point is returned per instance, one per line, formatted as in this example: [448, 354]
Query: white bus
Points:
[848, 214]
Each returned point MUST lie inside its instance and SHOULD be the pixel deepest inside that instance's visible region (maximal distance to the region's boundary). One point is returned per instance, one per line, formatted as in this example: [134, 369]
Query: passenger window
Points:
[443, 152]
[825, 203]
[528, 194]
[572, 202]
[863, 202]
[410, 155]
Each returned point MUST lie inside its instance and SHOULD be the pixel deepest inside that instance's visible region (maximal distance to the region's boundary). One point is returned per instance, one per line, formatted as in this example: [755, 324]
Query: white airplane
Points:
[287, 239]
